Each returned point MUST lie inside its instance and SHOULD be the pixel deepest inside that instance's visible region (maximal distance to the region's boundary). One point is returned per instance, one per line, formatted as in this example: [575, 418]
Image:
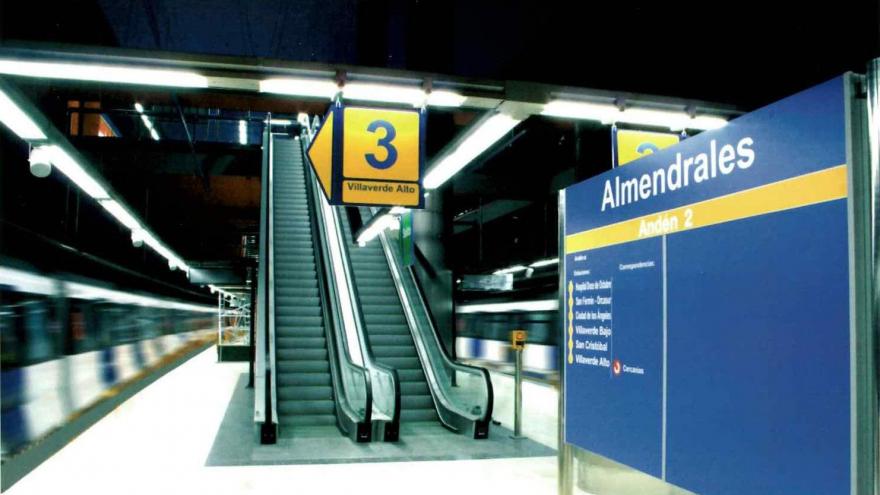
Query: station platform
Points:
[168, 439]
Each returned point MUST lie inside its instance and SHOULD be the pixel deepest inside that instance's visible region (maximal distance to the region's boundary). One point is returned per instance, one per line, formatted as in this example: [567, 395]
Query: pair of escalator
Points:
[345, 335]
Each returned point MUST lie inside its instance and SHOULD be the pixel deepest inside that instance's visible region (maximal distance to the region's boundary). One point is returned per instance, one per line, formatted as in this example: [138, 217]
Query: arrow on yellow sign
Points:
[321, 154]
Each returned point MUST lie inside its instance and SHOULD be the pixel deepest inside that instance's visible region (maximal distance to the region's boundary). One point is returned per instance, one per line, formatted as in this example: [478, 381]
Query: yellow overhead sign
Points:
[631, 145]
[370, 156]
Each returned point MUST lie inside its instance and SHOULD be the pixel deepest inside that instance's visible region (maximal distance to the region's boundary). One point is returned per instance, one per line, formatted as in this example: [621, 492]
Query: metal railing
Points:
[265, 401]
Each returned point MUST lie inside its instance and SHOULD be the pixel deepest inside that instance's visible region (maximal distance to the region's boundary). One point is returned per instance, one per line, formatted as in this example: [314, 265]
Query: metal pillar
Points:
[517, 396]
[873, 87]
[565, 485]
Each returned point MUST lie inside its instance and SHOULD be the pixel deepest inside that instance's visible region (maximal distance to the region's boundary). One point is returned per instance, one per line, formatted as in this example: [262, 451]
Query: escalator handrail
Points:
[366, 348]
[273, 388]
[336, 341]
[437, 391]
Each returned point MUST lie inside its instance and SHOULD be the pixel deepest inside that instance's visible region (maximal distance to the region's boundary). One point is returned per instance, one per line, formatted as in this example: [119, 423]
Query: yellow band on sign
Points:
[816, 187]
[380, 193]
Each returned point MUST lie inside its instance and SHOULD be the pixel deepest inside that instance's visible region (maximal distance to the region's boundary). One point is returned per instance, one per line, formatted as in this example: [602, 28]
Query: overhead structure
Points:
[507, 103]
[26, 121]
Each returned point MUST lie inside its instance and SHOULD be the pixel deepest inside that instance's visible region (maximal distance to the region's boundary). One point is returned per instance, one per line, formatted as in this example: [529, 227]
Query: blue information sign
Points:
[707, 323]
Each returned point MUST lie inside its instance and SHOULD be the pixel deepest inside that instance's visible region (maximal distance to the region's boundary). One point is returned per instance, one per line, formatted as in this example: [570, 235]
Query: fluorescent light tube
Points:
[139, 107]
[548, 262]
[540, 305]
[242, 132]
[604, 113]
[103, 73]
[484, 136]
[319, 88]
[161, 250]
[511, 269]
[147, 122]
[706, 122]
[121, 214]
[386, 221]
[280, 122]
[154, 134]
[609, 114]
[675, 121]
[390, 93]
[444, 98]
[74, 171]
[17, 121]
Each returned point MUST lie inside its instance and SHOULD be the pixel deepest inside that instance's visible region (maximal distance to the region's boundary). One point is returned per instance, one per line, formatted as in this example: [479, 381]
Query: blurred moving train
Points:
[483, 334]
[64, 343]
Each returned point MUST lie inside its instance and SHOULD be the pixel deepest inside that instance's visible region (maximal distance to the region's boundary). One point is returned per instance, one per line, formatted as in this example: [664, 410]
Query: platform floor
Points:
[235, 443]
[161, 440]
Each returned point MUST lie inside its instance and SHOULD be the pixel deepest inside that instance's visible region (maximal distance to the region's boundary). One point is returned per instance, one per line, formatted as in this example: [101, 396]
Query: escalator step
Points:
[414, 388]
[402, 363]
[296, 354]
[371, 298]
[298, 342]
[373, 320]
[309, 420]
[304, 379]
[305, 392]
[288, 306]
[411, 375]
[306, 407]
[403, 350]
[416, 402]
[383, 309]
[390, 329]
[288, 366]
[305, 331]
[296, 319]
[413, 415]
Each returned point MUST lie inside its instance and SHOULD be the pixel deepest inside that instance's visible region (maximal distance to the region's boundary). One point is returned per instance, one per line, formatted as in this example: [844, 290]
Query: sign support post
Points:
[873, 87]
[565, 485]
[518, 343]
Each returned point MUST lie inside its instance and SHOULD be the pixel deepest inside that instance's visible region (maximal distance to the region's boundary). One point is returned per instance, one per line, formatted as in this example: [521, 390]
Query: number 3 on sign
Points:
[384, 142]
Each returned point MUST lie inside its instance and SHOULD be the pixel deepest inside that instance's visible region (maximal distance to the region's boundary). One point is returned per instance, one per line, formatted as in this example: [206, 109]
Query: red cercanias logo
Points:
[616, 367]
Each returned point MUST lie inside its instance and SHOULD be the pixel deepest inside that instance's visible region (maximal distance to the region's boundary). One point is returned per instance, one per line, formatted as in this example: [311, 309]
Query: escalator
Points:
[314, 369]
[387, 328]
[344, 336]
[304, 388]
[401, 332]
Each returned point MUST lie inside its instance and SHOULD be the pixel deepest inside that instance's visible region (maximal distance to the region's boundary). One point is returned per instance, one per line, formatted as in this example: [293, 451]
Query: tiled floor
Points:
[158, 442]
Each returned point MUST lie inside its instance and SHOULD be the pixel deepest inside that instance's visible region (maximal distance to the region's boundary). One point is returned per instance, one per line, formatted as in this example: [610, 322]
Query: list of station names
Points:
[590, 318]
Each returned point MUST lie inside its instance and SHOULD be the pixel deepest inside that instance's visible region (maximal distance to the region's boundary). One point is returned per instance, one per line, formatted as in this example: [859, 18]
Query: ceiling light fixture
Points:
[17, 120]
[483, 136]
[242, 133]
[607, 113]
[76, 173]
[387, 93]
[298, 86]
[121, 214]
[444, 98]
[547, 262]
[103, 73]
[386, 221]
[507, 307]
